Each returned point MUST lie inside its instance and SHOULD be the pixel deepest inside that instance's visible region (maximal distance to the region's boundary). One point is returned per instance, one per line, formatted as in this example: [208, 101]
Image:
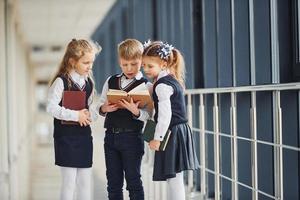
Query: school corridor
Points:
[242, 92]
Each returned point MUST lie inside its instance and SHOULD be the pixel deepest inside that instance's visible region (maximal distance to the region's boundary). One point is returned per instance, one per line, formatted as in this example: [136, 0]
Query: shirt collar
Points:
[77, 77]
[163, 73]
[138, 76]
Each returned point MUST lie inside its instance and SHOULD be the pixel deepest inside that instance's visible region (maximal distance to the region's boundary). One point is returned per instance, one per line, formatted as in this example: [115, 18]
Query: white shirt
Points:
[55, 94]
[144, 114]
[164, 93]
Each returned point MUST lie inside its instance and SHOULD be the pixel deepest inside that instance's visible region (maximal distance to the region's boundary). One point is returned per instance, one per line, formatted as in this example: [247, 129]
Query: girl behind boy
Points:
[165, 65]
[73, 143]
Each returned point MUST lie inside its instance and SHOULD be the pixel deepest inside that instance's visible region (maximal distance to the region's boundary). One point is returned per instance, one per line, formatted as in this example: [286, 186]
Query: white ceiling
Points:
[50, 23]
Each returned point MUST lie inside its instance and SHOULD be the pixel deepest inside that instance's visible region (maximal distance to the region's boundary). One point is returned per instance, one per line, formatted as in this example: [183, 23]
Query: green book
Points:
[149, 131]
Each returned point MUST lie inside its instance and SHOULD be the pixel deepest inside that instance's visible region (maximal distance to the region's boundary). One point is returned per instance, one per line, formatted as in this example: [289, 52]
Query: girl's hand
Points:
[154, 145]
[108, 107]
[84, 117]
[131, 106]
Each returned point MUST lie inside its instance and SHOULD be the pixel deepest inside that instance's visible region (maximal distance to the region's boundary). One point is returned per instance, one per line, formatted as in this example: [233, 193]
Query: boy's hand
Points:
[154, 145]
[131, 106]
[84, 117]
[108, 107]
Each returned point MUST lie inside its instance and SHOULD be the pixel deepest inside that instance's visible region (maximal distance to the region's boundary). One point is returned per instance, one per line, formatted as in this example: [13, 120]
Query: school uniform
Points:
[170, 113]
[123, 143]
[73, 145]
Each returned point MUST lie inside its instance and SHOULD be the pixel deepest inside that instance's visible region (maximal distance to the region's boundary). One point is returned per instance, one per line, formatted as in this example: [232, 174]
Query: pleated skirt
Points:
[179, 155]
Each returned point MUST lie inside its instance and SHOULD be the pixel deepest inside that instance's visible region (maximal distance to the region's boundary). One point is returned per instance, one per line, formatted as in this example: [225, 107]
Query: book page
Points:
[140, 87]
[139, 93]
[114, 96]
[116, 92]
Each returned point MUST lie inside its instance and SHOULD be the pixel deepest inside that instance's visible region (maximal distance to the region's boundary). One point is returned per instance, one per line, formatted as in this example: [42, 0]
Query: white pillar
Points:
[4, 186]
[11, 102]
[16, 116]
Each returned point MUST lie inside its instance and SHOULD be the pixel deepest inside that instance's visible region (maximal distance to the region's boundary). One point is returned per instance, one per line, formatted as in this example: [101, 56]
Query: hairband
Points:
[163, 51]
[147, 43]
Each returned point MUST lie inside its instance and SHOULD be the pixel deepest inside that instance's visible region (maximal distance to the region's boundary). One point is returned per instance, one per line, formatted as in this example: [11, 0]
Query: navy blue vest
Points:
[63, 129]
[122, 118]
[177, 100]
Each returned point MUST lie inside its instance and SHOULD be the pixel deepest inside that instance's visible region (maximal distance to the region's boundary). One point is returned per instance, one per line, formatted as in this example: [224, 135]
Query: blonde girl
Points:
[73, 143]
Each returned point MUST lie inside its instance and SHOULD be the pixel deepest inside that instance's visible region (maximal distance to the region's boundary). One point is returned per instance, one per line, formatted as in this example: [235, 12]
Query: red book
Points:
[73, 100]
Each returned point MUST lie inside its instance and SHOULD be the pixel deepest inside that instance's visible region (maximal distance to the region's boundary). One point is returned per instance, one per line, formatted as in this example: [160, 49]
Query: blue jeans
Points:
[123, 155]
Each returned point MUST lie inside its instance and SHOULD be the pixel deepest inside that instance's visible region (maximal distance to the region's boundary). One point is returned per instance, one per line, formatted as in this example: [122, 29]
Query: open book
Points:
[139, 93]
[149, 131]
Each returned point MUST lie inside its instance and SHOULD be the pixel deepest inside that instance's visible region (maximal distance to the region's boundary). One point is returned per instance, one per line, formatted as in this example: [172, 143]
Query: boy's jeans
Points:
[123, 156]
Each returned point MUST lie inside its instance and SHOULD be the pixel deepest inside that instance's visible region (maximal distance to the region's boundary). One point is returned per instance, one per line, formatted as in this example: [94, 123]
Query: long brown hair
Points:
[75, 50]
[173, 58]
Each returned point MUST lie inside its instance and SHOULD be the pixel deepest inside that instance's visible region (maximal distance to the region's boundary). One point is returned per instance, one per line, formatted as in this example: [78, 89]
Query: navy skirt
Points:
[74, 151]
[179, 155]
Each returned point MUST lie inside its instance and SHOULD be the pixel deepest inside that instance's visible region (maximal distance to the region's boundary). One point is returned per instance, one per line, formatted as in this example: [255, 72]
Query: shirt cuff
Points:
[143, 115]
[158, 137]
[137, 117]
[74, 116]
[100, 112]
